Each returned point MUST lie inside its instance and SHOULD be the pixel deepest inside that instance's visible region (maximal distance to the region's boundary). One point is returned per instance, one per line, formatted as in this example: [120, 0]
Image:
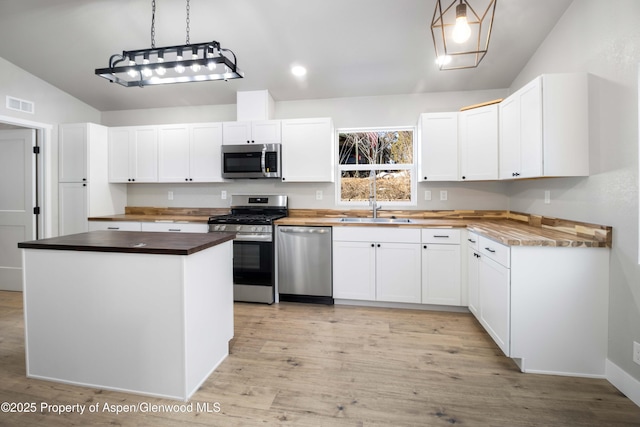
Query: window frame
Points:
[411, 167]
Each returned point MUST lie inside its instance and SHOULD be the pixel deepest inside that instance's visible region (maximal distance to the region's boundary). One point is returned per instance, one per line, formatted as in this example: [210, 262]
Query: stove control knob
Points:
[254, 228]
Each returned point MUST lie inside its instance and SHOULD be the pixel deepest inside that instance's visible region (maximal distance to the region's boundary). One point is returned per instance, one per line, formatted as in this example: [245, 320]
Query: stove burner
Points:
[243, 218]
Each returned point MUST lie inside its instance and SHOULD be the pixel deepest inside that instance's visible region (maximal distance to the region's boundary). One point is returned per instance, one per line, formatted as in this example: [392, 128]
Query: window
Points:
[380, 159]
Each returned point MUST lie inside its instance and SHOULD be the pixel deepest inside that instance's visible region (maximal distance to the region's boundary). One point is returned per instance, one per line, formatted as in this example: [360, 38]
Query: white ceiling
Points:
[350, 47]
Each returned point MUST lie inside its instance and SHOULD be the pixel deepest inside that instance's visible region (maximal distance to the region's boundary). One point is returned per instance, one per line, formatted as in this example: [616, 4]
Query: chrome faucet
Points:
[373, 201]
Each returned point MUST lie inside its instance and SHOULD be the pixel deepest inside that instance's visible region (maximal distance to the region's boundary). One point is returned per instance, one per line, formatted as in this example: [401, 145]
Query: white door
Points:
[17, 200]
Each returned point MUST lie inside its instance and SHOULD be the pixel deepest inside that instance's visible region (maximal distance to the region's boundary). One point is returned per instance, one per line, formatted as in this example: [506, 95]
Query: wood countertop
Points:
[132, 242]
[506, 231]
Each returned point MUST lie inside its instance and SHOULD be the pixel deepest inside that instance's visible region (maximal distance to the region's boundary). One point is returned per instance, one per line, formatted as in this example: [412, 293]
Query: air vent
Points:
[20, 105]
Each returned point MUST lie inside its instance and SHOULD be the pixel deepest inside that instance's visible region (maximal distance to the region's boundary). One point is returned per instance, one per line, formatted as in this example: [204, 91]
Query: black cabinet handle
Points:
[378, 244]
[441, 236]
[373, 246]
[490, 250]
[464, 177]
[471, 240]
[425, 246]
[425, 178]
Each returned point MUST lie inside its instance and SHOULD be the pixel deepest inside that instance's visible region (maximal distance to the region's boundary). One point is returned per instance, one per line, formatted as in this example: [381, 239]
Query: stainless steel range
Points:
[252, 219]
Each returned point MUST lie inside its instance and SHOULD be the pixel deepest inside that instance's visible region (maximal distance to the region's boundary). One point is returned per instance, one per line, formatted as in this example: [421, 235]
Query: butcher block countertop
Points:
[132, 242]
[158, 214]
[509, 228]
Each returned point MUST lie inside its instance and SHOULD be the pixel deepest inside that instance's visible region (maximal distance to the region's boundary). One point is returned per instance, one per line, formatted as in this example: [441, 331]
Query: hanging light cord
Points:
[188, 22]
[153, 24]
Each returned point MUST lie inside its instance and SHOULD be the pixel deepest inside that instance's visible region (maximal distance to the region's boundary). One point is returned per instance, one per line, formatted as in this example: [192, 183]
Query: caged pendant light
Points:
[172, 64]
[461, 32]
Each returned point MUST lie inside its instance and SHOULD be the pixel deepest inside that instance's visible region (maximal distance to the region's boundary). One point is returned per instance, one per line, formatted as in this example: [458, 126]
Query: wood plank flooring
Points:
[312, 365]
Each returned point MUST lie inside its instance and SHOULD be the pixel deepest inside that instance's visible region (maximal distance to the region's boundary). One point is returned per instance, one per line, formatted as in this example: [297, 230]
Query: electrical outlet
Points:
[636, 352]
[547, 197]
[318, 194]
[170, 195]
[223, 194]
[427, 194]
[443, 195]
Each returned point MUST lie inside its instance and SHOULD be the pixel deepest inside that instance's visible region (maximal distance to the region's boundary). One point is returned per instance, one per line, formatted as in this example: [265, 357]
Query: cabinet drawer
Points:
[441, 235]
[495, 251]
[376, 234]
[175, 227]
[472, 240]
[114, 225]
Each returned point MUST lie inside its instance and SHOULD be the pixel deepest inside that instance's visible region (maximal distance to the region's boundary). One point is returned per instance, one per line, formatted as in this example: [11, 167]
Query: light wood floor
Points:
[308, 365]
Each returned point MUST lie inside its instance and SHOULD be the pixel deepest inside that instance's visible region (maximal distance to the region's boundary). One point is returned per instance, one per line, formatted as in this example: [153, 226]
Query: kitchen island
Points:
[147, 313]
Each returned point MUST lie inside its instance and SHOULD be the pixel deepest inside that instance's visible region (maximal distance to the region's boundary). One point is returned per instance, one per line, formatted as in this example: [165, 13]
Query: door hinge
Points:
[36, 150]
[36, 210]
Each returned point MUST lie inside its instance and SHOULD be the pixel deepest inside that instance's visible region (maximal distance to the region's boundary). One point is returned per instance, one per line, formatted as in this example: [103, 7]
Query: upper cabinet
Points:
[133, 154]
[255, 132]
[478, 139]
[438, 147]
[189, 152]
[544, 128]
[308, 150]
[73, 152]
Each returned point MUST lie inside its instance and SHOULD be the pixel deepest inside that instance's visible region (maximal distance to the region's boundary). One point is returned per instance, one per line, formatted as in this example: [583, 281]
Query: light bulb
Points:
[462, 30]
[195, 67]
[179, 68]
[146, 71]
[161, 71]
[132, 72]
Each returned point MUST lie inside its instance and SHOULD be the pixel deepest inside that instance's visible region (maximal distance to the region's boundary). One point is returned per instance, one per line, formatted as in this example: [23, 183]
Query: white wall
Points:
[602, 38]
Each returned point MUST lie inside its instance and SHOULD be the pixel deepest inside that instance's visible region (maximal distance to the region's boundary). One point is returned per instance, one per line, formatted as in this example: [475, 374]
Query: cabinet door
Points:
[495, 302]
[205, 158]
[473, 265]
[530, 98]
[398, 272]
[308, 150]
[145, 154]
[354, 270]
[266, 132]
[73, 208]
[236, 132]
[509, 112]
[72, 153]
[119, 170]
[173, 153]
[438, 147]
[479, 143]
[441, 274]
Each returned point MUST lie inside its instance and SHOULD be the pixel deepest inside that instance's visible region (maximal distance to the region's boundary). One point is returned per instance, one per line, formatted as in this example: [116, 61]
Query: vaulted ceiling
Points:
[350, 47]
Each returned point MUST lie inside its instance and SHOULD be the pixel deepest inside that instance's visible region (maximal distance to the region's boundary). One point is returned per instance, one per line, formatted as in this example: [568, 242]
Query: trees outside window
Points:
[388, 153]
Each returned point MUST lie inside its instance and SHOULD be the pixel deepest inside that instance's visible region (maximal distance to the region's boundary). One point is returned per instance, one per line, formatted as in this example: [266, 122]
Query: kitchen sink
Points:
[378, 220]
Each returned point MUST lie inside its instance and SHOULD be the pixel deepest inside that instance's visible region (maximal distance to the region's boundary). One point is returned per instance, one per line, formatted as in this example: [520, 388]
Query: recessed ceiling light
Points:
[298, 70]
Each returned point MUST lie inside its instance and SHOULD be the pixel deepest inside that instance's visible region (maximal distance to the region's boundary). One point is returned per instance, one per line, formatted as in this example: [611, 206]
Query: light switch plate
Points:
[318, 194]
[223, 194]
[444, 195]
[427, 194]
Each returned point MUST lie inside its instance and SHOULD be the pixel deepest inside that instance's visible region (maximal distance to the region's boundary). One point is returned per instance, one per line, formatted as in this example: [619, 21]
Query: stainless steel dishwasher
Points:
[304, 264]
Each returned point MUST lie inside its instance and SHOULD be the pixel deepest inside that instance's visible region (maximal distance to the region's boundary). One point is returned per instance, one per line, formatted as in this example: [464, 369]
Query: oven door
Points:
[253, 263]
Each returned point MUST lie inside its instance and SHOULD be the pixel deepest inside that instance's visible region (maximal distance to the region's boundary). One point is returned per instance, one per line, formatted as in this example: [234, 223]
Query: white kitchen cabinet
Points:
[478, 139]
[441, 267]
[473, 270]
[255, 132]
[115, 225]
[438, 147]
[73, 206]
[545, 307]
[133, 154]
[174, 227]
[354, 270]
[544, 128]
[494, 292]
[376, 264]
[308, 150]
[189, 152]
[84, 189]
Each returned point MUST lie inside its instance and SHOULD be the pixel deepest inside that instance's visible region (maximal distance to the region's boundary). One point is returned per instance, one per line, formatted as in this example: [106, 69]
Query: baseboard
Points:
[623, 381]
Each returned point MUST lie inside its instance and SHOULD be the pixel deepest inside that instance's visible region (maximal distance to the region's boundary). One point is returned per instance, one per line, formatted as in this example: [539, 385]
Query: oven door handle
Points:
[249, 237]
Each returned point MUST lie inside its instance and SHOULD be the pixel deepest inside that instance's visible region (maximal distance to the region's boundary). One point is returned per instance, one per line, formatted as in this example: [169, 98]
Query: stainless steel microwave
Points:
[251, 161]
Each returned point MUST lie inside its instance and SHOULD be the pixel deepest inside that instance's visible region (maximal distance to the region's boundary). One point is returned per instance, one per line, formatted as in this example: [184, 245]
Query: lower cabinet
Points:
[545, 307]
[376, 264]
[441, 273]
[175, 227]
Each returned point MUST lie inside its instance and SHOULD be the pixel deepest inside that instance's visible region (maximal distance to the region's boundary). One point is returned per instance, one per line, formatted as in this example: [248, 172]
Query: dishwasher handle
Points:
[304, 230]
